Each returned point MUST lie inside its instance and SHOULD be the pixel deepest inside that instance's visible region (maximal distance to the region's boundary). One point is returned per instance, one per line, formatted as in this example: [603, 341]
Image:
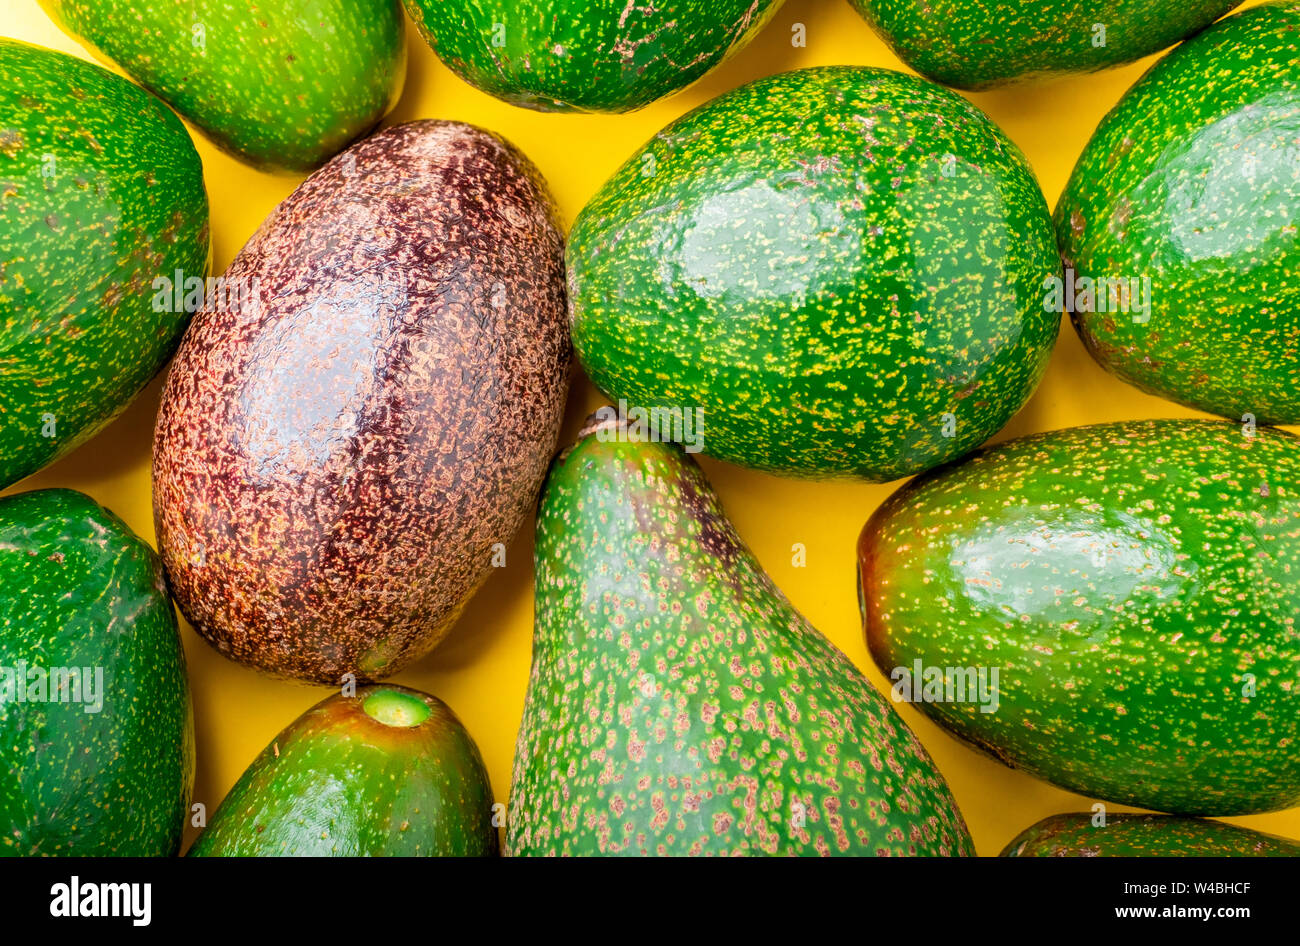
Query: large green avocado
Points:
[96, 728]
[586, 55]
[1192, 184]
[387, 771]
[835, 271]
[979, 44]
[678, 704]
[283, 85]
[1132, 585]
[101, 204]
[1125, 835]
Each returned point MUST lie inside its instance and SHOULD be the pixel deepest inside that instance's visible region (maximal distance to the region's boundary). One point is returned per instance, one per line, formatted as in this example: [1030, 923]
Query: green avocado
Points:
[1129, 594]
[282, 85]
[980, 44]
[837, 271]
[101, 204]
[1131, 835]
[387, 771]
[679, 705]
[1189, 191]
[96, 726]
[585, 56]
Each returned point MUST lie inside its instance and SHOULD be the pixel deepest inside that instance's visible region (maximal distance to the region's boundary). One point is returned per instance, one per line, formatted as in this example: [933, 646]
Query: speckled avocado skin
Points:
[1193, 180]
[842, 268]
[586, 55]
[1134, 584]
[339, 783]
[335, 462]
[678, 704]
[79, 589]
[282, 85]
[1128, 835]
[101, 193]
[980, 44]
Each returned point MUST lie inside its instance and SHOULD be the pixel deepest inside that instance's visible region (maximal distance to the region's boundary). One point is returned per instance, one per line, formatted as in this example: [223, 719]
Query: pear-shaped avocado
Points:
[1128, 589]
[387, 771]
[1134, 835]
[678, 703]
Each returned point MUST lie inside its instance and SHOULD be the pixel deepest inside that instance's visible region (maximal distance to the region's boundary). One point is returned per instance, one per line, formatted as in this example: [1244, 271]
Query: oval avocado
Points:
[981, 44]
[96, 725]
[103, 239]
[281, 85]
[386, 772]
[580, 56]
[1126, 596]
[1133, 835]
[829, 272]
[353, 432]
[1187, 198]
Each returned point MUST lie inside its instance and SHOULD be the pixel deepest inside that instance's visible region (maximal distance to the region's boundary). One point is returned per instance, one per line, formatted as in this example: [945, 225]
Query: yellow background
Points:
[481, 670]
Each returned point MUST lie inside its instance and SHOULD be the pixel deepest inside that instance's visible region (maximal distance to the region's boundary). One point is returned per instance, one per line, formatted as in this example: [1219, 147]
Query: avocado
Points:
[386, 772]
[981, 44]
[351, 436]
[579, 56]
[1132, 835]
[101, 203]
[1129, 591]
[830, 272]
[96, 726]
[678, 704]
[283, 86]
[1191, 184]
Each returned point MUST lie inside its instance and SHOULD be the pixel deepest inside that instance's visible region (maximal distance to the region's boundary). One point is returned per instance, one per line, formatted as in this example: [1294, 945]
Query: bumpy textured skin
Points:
[1193, 179]
[101, 192]
[586, 55]
[1126, 835]
[333, 465]
[980, 44]
[338, 783]
[79, 589]
[826, 262]
[282, 85]
[1136, 586]
[679, 705]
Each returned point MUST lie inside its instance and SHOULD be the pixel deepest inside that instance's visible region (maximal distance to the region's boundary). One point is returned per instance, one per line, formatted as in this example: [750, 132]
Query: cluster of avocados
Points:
[832, 272]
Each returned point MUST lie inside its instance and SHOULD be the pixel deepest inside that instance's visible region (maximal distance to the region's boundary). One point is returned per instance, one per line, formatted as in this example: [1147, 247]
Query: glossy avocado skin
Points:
[282, 85]
[585, 56]
[338, 782]
[679, 705]
[843, 268]
[79, 589]
[1126, 835]
[102, 195]
[1134, 586]
[981, 44]
[1193, 180]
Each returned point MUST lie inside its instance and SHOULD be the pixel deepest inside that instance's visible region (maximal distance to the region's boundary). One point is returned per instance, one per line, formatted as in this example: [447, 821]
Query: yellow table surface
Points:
[481, 670]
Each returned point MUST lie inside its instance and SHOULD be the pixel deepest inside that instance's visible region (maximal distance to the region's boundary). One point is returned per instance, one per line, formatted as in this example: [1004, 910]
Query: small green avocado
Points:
[1130, 835]
[388, 771]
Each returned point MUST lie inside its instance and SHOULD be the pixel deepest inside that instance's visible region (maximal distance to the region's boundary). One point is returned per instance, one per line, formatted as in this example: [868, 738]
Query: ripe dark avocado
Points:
[1193, 181]
[96, 726]
[678, 704]
[282, 85]
[387, 772]
[101, 194]
[1134, 586]
[1126, 835]
[350, 438]
[843, 269]
[580, 56]
[980, 44]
